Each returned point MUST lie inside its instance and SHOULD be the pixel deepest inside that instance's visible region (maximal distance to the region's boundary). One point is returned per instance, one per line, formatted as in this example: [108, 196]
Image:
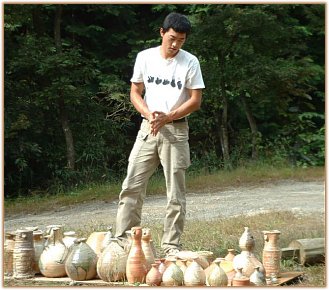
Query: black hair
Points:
[177, 22]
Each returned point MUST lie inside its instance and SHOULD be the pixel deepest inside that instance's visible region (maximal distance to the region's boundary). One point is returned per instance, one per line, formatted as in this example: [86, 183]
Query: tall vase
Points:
[52, 259]
[271, 253]
[8, 257]
[173, 275]
[81, 261]
[194, 275]
[111, 265]
[247, 259]
[39, 246]
[147, 249]
[136, 268]
[216, 275]
[23, 255]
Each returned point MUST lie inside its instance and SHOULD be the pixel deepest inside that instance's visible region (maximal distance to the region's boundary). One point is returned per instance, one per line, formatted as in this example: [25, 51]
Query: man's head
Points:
[177, 22]
[174, 31]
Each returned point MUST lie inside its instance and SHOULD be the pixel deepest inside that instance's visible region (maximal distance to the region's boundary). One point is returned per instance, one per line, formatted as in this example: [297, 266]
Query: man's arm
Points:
[193, 104]
[136, 97]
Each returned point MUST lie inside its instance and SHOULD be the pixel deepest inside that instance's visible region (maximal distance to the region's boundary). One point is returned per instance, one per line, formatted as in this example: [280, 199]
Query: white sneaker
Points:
[172, 252]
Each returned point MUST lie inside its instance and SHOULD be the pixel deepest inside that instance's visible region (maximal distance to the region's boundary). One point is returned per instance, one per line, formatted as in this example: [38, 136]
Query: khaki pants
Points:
[169, 147]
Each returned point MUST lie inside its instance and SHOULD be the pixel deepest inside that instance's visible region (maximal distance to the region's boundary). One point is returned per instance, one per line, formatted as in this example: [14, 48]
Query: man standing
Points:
[170, 79]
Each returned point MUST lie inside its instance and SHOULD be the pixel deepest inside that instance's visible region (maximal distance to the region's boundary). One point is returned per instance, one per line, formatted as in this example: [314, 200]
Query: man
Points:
[172, 81]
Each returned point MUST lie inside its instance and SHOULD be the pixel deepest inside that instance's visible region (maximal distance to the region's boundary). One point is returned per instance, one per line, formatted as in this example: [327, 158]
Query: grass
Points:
[213, 235]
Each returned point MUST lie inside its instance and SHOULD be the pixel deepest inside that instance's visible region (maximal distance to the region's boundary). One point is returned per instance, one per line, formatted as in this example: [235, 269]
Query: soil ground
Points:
[299, 197]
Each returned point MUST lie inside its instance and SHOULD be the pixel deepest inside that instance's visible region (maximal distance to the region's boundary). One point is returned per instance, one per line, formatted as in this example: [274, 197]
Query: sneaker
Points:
[172, 252]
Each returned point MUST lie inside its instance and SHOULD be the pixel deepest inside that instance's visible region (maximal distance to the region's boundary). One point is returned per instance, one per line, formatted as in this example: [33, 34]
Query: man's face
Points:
[172, 41]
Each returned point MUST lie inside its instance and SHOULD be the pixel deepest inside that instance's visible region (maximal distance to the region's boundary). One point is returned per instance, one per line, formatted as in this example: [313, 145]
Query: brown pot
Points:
[154, 277]
[136, 268]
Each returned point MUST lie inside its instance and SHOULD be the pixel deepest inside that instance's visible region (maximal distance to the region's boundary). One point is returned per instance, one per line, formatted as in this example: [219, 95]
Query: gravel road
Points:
[299, 197]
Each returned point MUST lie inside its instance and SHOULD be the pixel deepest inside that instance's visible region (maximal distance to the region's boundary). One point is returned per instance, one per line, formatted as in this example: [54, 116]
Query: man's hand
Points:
[159, 120]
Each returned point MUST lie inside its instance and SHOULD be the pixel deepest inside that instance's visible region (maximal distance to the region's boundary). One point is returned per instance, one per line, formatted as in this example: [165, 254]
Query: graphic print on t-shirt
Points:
[165, 82]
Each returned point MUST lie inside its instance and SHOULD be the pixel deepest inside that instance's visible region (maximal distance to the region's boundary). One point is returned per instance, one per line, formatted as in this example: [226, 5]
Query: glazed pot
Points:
[81, 261]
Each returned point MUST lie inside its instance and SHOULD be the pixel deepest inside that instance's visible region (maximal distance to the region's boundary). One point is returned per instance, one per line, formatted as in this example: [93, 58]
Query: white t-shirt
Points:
[166, 81]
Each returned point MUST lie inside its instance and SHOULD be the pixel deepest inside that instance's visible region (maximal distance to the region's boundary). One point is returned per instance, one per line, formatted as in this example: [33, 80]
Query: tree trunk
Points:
[253, 128]
[70, 151]
[224, 133]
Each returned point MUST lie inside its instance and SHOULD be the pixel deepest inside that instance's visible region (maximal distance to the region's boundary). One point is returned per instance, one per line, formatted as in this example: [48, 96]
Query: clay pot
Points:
[173, 275]
[194, 275]
[241, 282]
[147, 249]
[162, 265]
[52, 259]
[23, 255]
[69, 238]
[107, 238]
[111, 265]
[8, 256]
[257, 278]
[154, 277]
[50, 234]
[246, 241]
[95, 241]
[136, 268]
[216, 275]
[182, 264]
[129, 241]
[39, 246]
[247, 261]
[230, 255]
[81, 261]
[271, 253]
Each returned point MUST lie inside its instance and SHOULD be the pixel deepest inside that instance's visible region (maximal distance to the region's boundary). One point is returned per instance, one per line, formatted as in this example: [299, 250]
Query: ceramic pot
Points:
[107, 238]
[230, 255]
[8, 255]
[271, 253]
[162, 265]
[217, 276]
[39, 246]
[127, 246]
[50, 235]
[173, 275]
[136, 268]
[95, 241]
[241, 282]
[147, 249]
[23, 255]
[69, 238]
[81, 261]
[52, 259]
[194, 275]
[182, 264]
[257, 278]
[111, 265]
[247, 241]
[154, 277]
[247, 261]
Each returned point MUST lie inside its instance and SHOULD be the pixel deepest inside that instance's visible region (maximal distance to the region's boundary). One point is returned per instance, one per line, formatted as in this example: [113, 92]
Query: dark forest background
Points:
[67, 115]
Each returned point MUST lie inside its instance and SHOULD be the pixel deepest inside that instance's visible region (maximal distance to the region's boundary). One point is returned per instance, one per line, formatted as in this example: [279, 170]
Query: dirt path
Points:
[298, 197]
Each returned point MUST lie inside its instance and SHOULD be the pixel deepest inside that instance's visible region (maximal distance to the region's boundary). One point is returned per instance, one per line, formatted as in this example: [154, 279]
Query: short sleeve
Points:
[138, 70]
[194, 76]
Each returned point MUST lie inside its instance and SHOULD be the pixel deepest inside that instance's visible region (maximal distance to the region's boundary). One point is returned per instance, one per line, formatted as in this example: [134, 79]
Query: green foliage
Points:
[270, 55]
